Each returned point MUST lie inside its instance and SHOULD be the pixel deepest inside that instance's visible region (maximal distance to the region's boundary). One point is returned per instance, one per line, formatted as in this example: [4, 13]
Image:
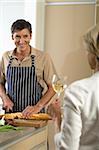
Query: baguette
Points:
[18, 115]
[12, 115]
[40, 116]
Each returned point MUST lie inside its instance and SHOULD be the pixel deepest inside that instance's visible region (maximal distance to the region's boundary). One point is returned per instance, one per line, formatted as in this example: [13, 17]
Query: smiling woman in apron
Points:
[25, 83]
[22, 84]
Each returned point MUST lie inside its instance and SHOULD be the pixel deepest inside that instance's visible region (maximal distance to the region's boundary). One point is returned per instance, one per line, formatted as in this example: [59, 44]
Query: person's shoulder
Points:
[81, 85]
[79, 82]
[88, 81]
[35, 51]
[7, 53]
[39, 53]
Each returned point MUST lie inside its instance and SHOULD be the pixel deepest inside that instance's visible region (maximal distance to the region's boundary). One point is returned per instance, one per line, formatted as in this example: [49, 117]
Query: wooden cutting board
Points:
[29, 123]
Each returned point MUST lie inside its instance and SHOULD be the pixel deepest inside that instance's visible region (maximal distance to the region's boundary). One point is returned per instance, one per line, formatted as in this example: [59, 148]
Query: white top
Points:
[80, 124]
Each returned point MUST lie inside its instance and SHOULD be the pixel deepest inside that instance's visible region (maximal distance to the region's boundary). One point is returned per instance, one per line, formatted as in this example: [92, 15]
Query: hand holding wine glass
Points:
[59, 84]
[55, 106]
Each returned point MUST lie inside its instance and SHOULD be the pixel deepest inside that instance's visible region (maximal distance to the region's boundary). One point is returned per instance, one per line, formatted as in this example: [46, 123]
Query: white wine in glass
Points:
[59, 84]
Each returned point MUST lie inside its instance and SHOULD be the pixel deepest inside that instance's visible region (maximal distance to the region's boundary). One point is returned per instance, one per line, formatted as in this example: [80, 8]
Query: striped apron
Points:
[22, 86]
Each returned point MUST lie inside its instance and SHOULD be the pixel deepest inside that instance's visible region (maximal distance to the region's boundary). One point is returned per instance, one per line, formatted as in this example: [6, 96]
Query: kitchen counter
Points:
[29, 138]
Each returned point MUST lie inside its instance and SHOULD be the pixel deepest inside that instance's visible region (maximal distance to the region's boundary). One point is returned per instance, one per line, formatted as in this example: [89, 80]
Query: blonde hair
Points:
[91, 40]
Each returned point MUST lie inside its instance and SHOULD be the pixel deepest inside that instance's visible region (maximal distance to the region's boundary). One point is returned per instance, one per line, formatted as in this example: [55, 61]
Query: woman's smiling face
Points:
[22, 39]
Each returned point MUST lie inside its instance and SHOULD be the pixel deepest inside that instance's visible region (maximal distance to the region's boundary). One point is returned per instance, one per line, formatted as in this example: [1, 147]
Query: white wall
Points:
[9, 12]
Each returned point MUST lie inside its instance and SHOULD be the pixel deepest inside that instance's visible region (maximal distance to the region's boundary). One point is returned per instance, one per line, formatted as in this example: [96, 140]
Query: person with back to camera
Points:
[26, 72]
[79, 128]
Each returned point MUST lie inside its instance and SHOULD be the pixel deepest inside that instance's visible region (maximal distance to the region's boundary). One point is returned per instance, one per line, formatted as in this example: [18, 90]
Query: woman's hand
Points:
[29, 110]
[7, 104]
[54, 110]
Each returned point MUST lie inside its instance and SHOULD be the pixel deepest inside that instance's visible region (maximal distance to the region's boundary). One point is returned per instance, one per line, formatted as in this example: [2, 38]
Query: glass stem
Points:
[58, 94]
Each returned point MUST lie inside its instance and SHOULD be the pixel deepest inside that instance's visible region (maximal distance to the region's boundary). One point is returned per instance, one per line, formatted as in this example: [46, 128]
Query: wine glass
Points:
[59, 84]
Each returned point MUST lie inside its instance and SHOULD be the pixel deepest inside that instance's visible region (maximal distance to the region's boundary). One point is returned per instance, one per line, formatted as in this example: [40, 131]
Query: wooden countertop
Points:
[14, 136]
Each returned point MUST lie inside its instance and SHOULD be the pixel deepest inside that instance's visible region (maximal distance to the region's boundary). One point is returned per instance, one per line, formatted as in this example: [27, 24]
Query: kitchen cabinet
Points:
[29, 138]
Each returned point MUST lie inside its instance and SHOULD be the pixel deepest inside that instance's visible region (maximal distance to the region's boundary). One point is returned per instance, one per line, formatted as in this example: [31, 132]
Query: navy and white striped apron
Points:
[23, 88]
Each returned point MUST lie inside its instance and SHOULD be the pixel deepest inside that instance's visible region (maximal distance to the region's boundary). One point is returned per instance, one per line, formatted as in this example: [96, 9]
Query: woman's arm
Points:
[7, 103]
[41, 104]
